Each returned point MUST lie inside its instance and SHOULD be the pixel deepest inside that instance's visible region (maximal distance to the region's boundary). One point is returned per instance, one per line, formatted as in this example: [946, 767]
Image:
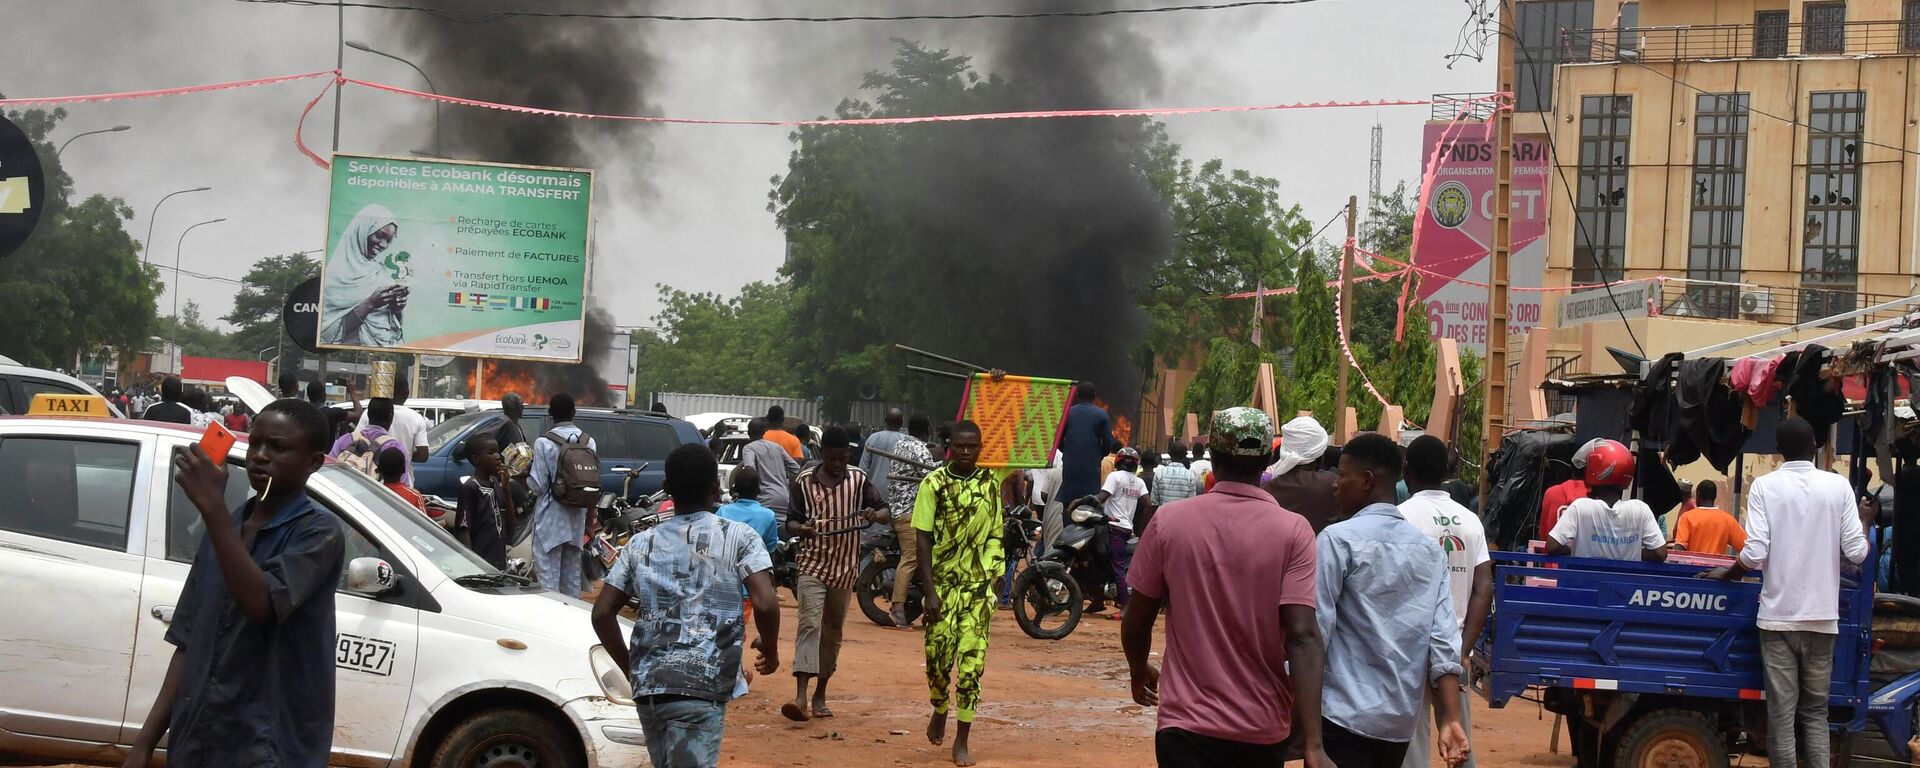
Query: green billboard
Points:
[474, 259]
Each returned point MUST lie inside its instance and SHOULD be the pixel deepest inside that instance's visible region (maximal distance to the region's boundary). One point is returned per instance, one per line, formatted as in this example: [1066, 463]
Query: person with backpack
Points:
[565, 481]
[361, 449]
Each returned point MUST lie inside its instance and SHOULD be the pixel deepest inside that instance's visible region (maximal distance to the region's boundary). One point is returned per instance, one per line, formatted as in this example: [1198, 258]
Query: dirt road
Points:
[1057, 704]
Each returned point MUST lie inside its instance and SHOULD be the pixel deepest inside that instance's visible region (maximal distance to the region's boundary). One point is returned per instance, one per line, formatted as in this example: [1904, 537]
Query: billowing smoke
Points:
[569, 64]
[1042, 232]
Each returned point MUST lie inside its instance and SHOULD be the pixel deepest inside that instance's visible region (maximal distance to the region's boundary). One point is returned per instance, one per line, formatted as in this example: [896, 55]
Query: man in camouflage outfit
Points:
[957, 514]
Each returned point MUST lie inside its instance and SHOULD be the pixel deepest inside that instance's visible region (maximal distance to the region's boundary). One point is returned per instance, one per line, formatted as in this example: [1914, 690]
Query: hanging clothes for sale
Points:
[1906, 529]
[1756, 377]
[1708, 414]
[1651, 414]
[1658, 488]
[1814, 399]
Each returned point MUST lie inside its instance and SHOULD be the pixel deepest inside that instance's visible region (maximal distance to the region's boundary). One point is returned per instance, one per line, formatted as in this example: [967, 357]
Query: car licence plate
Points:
[364, 654]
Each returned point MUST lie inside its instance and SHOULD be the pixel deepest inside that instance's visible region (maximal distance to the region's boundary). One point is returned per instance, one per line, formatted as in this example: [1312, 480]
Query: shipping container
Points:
[683, 404]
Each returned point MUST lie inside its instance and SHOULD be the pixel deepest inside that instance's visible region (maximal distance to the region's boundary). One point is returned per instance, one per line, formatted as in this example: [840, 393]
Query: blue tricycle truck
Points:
[1654, 667]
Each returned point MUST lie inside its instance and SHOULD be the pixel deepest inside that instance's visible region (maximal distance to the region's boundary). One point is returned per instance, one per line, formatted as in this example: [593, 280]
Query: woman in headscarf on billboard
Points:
[364, 297]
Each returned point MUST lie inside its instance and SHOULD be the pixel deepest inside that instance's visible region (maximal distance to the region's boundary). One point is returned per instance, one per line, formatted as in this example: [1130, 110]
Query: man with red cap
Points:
[1604, 525]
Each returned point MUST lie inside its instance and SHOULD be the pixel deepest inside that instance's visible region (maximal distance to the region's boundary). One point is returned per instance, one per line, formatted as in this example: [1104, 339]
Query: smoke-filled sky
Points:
[683, 205]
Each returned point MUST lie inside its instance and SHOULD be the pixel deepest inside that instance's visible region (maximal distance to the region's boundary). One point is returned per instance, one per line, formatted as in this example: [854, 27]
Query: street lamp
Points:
[144, 244]
[363, 47]
[115, 129]
[176, 268]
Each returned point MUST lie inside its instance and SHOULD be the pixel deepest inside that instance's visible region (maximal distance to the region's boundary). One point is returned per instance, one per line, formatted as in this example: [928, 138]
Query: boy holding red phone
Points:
[255, 619]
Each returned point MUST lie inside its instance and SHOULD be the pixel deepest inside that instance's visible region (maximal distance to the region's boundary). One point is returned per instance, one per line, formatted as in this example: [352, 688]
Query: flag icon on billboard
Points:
[542, 304]
[453, 299]
[497, 302]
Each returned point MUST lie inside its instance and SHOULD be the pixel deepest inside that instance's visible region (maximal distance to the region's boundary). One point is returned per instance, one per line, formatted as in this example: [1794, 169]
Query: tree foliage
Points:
[1231, 235]
[257, 308]
[735, 345]
[77, 284]
[195, 338]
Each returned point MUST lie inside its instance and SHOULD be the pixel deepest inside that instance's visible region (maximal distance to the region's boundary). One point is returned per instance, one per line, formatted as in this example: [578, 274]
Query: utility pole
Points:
[1493, 414]
[339, 65]
[1346, 318]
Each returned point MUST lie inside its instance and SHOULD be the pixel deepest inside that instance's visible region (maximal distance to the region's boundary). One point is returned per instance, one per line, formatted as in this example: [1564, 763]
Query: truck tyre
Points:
[1671, 738]
[508, 738]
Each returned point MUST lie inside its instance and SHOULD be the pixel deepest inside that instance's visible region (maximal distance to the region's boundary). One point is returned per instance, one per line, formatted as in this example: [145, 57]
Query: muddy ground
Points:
[1058, 704]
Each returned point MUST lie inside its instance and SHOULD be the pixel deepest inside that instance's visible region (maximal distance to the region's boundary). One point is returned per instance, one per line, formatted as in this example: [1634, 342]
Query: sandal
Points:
[822, 713]
[792, 711]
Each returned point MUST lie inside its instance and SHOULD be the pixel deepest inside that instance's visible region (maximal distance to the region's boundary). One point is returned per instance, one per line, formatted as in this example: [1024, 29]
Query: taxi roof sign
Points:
[72, 406]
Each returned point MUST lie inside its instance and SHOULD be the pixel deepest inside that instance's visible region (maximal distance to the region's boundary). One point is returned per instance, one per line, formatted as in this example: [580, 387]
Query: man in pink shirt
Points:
[1236, 573]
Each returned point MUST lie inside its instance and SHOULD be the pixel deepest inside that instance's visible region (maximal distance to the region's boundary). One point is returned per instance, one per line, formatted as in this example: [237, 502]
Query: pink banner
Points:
[1453, 231]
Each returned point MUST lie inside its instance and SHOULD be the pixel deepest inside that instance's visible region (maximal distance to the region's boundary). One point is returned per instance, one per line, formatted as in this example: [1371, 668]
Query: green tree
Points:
[77, 284]
[196, 338]
[1312, 380]
[1232, 235]
[256, 314]
[732, 345]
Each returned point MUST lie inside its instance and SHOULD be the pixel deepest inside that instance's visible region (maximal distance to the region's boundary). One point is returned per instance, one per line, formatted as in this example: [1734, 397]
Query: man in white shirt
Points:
[1604, 525]
[409, 427]
[1469, 567]
[1046, 504]
[1200, 464]
[1118, 497]
[1800, 522]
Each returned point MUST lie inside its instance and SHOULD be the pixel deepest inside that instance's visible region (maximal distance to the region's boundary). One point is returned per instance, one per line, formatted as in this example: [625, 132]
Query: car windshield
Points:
[437, 545]
[447, 430]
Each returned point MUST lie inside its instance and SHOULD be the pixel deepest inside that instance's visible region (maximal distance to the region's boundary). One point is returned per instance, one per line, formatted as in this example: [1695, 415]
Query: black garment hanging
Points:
[1652, 410]
[1906, 529]
[1813, 400]
[1708, 414]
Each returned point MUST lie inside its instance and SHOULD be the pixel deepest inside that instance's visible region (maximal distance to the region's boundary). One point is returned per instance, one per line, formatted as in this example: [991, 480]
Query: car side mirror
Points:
[459, 452]
[371, 576]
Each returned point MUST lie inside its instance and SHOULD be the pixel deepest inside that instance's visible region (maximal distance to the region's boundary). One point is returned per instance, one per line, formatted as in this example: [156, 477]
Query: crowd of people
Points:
[1378, 575]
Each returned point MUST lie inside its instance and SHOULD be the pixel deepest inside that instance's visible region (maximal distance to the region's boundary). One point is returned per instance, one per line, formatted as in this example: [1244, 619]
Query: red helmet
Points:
[1609, 464]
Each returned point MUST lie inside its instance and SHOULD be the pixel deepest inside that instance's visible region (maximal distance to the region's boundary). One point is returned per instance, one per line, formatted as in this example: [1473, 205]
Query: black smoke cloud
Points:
[1052, 223]
[569, 64]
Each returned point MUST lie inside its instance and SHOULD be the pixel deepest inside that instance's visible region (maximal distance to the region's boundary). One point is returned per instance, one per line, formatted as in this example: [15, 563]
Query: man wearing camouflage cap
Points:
[1236, 575]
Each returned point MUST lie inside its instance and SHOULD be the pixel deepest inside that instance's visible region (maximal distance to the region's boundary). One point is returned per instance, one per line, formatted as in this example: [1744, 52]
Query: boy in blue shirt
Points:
[251, 680]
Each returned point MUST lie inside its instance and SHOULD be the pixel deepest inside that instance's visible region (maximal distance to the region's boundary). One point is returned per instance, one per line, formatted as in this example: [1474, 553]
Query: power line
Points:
[482, 17]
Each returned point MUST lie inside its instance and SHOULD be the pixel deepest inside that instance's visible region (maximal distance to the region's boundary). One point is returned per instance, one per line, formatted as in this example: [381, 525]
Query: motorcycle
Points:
[786, 568]
[619, 516]
[873, 588]
[1046, 594]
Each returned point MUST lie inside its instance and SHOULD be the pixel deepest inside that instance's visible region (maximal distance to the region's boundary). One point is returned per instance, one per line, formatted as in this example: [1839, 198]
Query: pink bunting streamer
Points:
[858, 121]
[160, 92]
[1296, 289]
[1346, 349]
[299, 142]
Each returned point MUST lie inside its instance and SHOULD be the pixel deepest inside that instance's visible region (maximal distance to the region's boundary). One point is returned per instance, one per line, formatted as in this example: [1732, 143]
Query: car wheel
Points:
[508, 738]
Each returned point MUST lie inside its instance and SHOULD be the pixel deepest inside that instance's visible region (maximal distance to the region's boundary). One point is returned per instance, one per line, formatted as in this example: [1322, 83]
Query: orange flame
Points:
[498, 377]
[1122, 426]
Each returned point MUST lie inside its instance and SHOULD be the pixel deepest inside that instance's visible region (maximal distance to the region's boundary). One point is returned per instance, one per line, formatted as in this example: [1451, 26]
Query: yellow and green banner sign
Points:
[1019, 416]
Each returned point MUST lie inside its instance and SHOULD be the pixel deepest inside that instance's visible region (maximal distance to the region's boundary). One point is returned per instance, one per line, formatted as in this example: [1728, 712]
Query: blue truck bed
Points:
[1654, 628]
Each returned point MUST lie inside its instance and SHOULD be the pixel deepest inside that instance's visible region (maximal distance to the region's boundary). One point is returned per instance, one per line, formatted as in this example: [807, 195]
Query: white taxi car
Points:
[442, 661]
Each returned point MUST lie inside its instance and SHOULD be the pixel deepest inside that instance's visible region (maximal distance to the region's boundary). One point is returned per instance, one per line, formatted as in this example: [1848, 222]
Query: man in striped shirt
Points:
[831, 504]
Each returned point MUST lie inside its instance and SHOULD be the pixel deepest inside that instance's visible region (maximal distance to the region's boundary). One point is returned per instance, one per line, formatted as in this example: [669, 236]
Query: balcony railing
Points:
[1461, 106]
[1771, 305]
[1742, 41]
